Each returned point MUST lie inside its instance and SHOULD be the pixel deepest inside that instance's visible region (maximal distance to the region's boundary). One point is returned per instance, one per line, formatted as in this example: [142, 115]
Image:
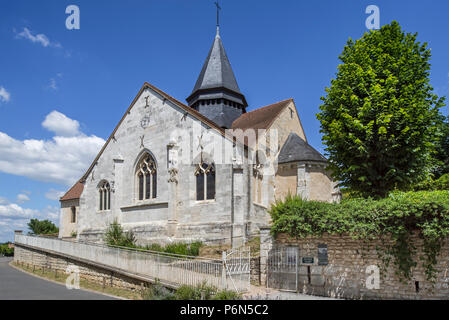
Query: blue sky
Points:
[63, 91]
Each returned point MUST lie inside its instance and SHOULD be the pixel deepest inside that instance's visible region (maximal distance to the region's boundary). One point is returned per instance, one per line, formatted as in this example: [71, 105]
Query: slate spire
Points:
[216, 94]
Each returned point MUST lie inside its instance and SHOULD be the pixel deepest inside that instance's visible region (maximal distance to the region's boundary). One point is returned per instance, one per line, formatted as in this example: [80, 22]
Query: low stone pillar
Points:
[16, 255]
[17, 233]
[266, 244]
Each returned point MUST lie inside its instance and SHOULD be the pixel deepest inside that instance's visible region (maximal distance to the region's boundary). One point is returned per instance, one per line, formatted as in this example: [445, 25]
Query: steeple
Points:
[216, 94]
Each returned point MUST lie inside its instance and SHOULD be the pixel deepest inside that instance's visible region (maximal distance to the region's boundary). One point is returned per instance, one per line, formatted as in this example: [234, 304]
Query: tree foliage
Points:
[380, 117]
[42, 227]
[442, 149]
[5, 250]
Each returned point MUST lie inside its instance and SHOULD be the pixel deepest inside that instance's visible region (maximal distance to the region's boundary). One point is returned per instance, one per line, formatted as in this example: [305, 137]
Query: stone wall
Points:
[350, 265]
[255, 270]
[91, 273]
[171, 136]
[66, 226]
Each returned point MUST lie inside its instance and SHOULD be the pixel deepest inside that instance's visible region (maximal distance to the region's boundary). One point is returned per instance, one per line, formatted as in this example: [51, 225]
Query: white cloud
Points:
[51, 213]
[40, 38]
[4, 95]
[14, 211]
[62, 160]
[14, 217]
[53, 194]
[61, 125]
[21, 198]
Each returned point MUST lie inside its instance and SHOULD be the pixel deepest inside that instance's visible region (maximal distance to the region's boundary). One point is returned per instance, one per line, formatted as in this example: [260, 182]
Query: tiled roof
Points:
[260, 118]
[77, 189]
[74, 192]
[217, 71]
[296, 149]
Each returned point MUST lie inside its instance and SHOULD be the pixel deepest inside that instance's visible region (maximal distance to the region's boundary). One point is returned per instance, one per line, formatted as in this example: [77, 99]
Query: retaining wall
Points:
[346, 273]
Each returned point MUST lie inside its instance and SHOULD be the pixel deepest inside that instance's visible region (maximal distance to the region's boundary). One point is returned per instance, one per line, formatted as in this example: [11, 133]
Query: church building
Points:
[160, 176]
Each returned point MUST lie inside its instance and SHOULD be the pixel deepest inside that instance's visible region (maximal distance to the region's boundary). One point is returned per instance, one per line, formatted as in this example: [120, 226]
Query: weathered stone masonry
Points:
[345, 275]
[103, 276]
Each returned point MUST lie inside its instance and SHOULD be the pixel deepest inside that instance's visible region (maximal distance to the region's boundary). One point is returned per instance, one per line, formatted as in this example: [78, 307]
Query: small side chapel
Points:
[138, 179]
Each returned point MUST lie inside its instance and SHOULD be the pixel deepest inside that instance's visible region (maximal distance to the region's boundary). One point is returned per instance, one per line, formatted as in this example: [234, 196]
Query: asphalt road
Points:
[17, 285]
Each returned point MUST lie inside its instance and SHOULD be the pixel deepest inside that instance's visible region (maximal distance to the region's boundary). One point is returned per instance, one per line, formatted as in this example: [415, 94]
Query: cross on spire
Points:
[218, 15]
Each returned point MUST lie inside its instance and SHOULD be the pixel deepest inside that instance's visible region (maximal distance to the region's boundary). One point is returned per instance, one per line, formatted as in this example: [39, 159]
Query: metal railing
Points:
[168, 268]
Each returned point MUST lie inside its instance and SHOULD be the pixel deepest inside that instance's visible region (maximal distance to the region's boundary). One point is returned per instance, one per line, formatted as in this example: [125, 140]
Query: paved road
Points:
[17, 285]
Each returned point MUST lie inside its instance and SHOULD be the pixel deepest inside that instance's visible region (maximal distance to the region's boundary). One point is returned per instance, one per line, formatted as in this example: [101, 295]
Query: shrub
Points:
[6, 251]
[227, 295]
[189, 249]
[204, 292]
[442, 183]
[432, 185]
[115, 236]
[157, 292]
[187, 293]
[201, 292]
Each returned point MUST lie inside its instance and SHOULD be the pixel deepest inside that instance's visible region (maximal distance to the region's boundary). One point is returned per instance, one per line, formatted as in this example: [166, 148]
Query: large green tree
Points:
[442, 154]
[42, 227]
[380, 116]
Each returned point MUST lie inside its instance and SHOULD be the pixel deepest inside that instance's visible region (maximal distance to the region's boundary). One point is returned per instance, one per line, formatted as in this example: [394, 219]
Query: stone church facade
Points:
[208, 170]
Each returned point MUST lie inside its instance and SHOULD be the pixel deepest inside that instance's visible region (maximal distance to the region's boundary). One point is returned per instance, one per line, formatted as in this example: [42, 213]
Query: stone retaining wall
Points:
[88, 272]
[255, 270]
[350, 265]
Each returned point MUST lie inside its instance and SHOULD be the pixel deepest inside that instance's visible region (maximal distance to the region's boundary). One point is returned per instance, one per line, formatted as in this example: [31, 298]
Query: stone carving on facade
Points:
[173, 172]
[146, 101]
[145, 122]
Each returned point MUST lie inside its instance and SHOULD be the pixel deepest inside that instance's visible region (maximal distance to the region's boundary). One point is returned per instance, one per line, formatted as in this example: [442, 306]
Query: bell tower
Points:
[216, 94]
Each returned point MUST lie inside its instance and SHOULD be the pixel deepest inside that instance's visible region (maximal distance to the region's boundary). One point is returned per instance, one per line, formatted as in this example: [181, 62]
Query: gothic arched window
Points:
[146, 178]
[205, 182]
[105, 196]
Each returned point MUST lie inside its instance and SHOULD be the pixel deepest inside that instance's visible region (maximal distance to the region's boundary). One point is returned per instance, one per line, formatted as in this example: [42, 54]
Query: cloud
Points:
[61, 124]
[14, 217]
[53, 194]
[51, 213]
[4, 95]
[14, 211]
[62, 159]
[40, 38]
[21, 198]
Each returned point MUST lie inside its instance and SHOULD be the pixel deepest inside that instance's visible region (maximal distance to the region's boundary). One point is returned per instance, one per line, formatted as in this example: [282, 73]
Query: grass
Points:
[153, 292]
[84, 284]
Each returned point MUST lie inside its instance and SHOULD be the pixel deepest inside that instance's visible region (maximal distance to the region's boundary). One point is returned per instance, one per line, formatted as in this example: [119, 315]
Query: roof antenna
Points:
[218, 17]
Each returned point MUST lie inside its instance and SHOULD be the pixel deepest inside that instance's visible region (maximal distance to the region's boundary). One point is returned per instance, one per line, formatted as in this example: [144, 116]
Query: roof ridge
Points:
[254, 117]
[188, 109]
[270, 105]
